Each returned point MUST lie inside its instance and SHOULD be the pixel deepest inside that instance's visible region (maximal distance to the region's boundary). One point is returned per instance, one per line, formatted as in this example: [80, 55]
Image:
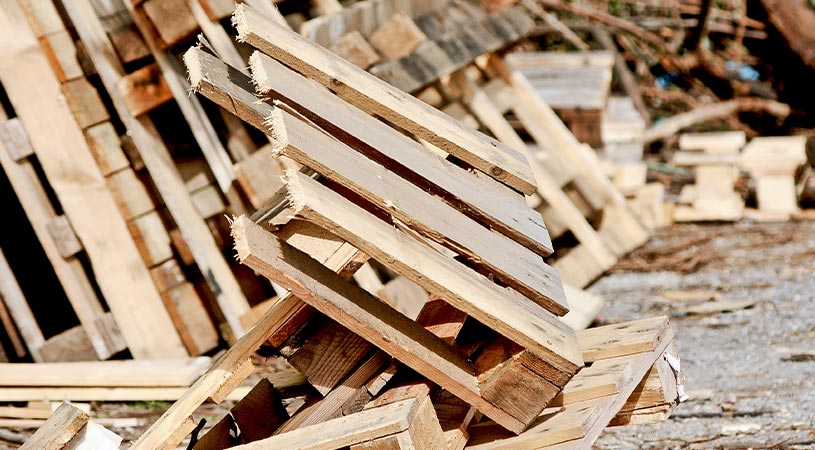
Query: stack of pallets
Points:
[126, 182]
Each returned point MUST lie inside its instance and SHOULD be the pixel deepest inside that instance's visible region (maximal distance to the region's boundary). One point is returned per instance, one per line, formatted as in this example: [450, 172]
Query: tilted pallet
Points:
[347, 213]
[563, 158]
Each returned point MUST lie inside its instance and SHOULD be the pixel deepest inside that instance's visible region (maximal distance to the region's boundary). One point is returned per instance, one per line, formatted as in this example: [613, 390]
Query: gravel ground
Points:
[745, 391]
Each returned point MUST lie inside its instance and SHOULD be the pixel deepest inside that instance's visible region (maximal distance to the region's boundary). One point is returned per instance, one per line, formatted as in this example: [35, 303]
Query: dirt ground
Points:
[750, 372]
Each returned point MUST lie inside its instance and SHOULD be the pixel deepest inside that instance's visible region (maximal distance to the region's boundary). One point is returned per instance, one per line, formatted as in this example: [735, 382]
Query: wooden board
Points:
[132, 373]
[84, 102]
[355, 85]
[353, 47]
[191, 319]
[58, 431]
[14, 300]
[66, 160]
[345, 431]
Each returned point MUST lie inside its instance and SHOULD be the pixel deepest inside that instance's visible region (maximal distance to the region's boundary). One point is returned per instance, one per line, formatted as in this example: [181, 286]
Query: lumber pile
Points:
[394, 255]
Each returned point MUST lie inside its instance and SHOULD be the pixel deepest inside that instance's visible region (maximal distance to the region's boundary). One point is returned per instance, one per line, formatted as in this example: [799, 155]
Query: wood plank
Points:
[423, 433]
[156, 157]
[500, 256]
[126, 373]
[498, 308]
[128, 44]
[276, 319]
[328, 355]
[344, 431]
[11, 332]
[66, 160]
[404, 295]
[409, 113]
[260, 413]
[460, 188]
[14, 299]
[622, 339]
[144, 90]
[15, 140]
[71, 345]
[130, 194]
[151, 238]
[259, 176]
[363, 314]
[66, 422]
[61, 52]
[137, 394]
[217, 9]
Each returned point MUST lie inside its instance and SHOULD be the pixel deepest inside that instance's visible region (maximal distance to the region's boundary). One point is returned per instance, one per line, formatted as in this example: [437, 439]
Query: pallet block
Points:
[715, 158]
[772, 162]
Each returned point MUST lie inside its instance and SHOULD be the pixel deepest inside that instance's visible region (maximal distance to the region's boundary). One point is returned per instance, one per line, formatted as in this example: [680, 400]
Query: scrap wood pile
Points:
[464, 346]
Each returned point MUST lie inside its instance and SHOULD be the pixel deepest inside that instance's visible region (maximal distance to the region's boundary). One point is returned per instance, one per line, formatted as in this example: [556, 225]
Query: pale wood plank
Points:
[353, 47]
[397, 37]
[14, 300]
[128, 373]
[352, 83]
[66, 422]
[344, 431]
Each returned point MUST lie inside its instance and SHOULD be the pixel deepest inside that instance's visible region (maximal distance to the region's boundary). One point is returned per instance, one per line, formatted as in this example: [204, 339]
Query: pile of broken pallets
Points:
[469, 345]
